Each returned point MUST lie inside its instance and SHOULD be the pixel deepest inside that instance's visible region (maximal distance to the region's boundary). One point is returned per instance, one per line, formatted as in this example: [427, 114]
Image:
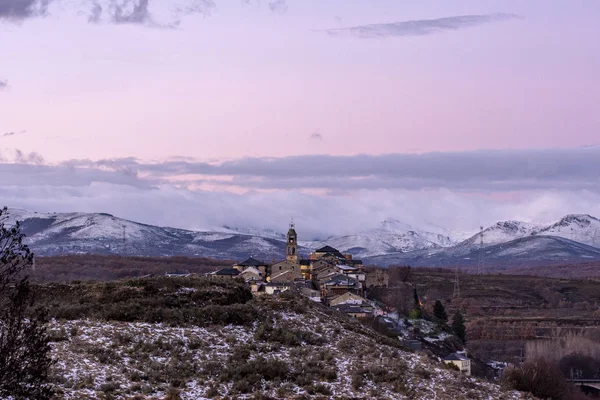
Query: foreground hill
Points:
[198, 339]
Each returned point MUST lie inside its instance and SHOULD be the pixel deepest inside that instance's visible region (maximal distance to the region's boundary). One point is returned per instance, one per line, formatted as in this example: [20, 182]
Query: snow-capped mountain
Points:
[530, 250]
[573, 238]
[253, 231]
[503, 231]
[581, 228]
[390, 237]
[100, 233]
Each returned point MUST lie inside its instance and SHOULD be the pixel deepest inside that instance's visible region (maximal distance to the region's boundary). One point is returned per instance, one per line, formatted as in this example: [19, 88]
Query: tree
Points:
[439, 312]
[458, 327]
[24, 344]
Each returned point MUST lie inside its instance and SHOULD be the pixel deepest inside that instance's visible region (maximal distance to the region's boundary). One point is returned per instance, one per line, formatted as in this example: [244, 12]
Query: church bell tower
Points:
[291, 250]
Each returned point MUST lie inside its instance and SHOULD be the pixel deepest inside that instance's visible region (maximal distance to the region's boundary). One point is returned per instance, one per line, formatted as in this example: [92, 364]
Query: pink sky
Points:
[245, 81]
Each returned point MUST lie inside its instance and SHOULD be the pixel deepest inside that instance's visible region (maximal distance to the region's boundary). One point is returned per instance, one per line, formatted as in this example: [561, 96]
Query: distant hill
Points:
[100, 233]
[530, 250]
[573, 239]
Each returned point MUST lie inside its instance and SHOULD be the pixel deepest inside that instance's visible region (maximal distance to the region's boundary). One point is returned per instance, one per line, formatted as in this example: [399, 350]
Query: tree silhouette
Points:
[458, 327]
[439, 312]
[24, 350]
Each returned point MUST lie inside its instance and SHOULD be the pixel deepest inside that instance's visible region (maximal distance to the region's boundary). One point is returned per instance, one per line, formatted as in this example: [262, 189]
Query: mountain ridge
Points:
[393, 242]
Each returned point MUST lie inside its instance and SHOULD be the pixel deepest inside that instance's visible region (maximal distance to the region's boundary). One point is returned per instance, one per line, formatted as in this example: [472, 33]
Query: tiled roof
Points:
[251, 262]
[226, 272]
[455, 357]
[350, 308]
[327, 249]
[342, 280]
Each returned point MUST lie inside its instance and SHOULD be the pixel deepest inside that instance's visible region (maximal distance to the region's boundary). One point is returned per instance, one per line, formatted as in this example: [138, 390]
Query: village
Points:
[332, 278]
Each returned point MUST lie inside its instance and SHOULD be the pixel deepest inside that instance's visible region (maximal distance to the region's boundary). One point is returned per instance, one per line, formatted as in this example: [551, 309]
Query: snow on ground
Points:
[122, 360]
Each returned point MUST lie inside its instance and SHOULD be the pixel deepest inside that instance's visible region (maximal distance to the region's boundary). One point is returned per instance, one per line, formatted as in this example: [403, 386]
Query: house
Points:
[327, 252]
[277, 287]
[283, 265]
[347, 298]
[377, 277]
[306, 268]
[338, 285]
[323, 271]
[257, 288]
[353, 310]
[251, 274]
[461, 360]
[252, 262]
[285, 271]
[225, 273]
[353, 272]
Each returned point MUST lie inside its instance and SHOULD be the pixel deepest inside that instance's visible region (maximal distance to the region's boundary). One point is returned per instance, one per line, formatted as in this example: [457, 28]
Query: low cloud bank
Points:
[326, 195]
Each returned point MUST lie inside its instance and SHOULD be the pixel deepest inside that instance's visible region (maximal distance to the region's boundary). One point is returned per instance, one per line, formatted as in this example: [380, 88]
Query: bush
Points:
[540, 377]
[249, 374]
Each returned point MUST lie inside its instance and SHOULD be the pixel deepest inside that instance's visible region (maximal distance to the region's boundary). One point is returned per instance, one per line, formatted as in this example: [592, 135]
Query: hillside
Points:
[205, 339]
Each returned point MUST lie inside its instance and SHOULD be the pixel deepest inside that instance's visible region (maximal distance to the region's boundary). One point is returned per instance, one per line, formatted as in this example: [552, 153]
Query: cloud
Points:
[316, 216]
[475, 171]
[419, 27]
[460, 190]
[95, 13]
[278, 6]
[8, 134]
[130, 11]
[3, 84]
[490, 170]
[17, 10]
[316, 136]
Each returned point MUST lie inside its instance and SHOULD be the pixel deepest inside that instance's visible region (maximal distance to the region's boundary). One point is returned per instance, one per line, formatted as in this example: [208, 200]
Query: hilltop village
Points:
[326, 276]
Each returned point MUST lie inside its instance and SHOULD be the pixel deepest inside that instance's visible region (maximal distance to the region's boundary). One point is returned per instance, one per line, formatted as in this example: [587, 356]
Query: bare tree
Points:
[24, 344]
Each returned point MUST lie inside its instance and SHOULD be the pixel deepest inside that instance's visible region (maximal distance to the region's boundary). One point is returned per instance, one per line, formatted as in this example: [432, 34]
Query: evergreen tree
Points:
[458, 327]
[24, 349]
[439, 312]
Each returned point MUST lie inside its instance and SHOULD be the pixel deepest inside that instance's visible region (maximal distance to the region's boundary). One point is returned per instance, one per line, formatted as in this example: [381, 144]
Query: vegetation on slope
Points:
[196, 338]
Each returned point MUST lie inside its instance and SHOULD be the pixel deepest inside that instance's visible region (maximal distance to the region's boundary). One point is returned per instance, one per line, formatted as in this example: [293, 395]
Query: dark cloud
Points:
[278, 6]
[28, 158]
[17, 10]
[502, 170]
[419, 27]
[7, 134]
[130, 11]
[3, 84]
[95, 13]
[316, 136]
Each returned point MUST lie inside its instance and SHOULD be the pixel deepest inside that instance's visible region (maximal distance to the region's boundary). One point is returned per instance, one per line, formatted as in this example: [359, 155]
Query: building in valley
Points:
[252, 262]
[461, 360]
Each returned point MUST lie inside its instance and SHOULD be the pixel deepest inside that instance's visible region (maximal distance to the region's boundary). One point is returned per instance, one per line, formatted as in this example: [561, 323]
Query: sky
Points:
[341, 113]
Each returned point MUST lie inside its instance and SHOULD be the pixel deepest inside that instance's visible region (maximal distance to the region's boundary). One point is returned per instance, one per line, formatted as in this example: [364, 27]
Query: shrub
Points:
[540, 377]
[249, 374]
